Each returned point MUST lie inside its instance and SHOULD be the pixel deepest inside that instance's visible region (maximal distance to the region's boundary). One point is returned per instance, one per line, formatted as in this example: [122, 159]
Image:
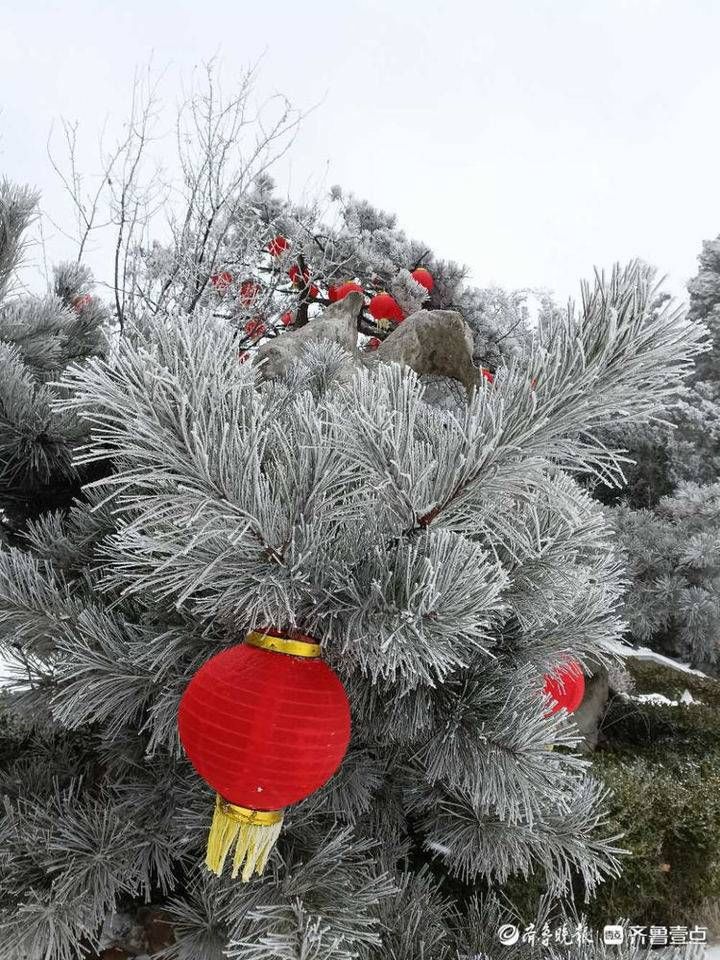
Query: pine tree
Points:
[446, 559]
[674, 601]
[666, 518]
[39, 337]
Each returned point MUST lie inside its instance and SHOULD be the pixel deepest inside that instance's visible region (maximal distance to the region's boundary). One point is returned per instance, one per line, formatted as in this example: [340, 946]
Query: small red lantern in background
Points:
[384, 307]
[566, 686]
[339, 293]
[490, 377]
[79, 303]
[278, 245]
[255, 327]
[265, 724]
[221, 281]
[295, 276]
[313, 291]
[287, 319]
[249, 290]
[424, 278]
[374, 343]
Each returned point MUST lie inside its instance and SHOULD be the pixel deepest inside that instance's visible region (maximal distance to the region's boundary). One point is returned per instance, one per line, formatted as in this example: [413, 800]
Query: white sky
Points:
[531, 139]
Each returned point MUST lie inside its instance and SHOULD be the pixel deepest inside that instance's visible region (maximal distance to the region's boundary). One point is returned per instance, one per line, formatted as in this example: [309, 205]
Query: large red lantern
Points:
[566, 687]
[384, 307]
[424, 278]
[265, 723]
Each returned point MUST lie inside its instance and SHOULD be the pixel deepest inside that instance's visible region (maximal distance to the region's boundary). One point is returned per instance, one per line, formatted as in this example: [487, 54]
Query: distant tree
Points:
[667, 517]
[39, 337]
[673, 558]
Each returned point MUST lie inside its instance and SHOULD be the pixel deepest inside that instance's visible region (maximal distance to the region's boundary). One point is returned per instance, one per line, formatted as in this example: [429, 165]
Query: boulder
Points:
[433, 342]
[338, 323]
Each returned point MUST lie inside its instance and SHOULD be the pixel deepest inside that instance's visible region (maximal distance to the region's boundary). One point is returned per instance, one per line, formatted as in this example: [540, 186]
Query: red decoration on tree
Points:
[255, 327]
[384, 307]
[287, 319]
[297, 279]
[424, 278]
[79, 303]
[373, 343]
[221, 281]
[278, 246]
[566, 686]
[339, 293]
[249, 290]
[490, 377]
[265, 724]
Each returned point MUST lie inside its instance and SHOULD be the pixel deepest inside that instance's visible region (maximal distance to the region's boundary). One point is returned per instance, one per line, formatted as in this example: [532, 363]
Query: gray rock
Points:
[433, 342]
[592, 709]
[338, 323]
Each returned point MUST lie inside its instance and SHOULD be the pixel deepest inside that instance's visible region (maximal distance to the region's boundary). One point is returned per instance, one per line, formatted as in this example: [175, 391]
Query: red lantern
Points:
[566, 686]
[294, 274]
[255, 327]
[287, 319]
[278, 246]
[265, 724]
[249, 289]
[79, 303]
[490, 377]
[373, 343]
[345, 288]
[221, 281]
[424, 278]
[384, 307]
[313, 291]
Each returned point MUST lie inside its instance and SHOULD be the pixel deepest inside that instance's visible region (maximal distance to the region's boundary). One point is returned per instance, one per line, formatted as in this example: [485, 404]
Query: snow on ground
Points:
[712, 952]
[661, 700]
[644, 653]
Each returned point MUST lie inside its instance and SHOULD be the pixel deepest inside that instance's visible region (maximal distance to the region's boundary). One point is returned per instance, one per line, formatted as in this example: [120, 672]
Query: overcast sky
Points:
[531, 139]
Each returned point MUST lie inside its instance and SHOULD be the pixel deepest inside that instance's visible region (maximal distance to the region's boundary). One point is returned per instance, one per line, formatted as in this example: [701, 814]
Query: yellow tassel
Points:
[254, 833]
